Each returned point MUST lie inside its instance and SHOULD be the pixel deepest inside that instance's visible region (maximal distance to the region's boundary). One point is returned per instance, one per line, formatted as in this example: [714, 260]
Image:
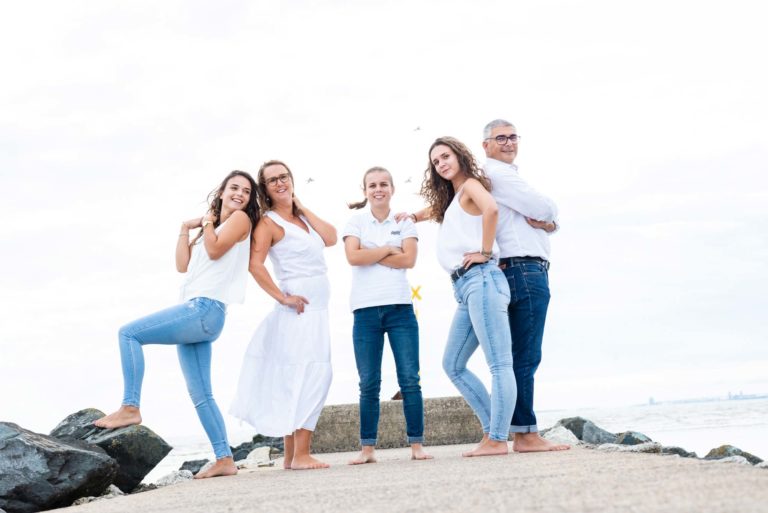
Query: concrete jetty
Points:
[579, 480]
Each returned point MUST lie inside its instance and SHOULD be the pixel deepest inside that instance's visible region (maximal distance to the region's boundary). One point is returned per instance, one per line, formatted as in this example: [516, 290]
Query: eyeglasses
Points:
[283, 178]
[502, 139]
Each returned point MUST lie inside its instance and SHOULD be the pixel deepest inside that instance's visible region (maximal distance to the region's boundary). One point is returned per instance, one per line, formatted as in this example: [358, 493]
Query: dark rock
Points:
[137, 449]
[679, 451]
[587, 431]
[632, 438]
[144, 488]
[725, 451]
[193, 466]
[40, 472]
[244, 449]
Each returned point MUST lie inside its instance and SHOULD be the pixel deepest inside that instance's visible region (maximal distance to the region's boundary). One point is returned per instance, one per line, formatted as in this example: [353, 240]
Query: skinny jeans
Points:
[482, 294]
[192, 327]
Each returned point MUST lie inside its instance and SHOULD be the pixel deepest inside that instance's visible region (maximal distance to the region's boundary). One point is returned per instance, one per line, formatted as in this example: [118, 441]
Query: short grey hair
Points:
[495, 124]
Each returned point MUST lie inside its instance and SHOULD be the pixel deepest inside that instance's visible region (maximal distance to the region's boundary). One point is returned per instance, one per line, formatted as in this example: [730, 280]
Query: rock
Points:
[764, 464]
[242, 451]
[560, 435]
[193, 466]
[177, 476]
[678, 451]
[632, 438]
[648, 447]
[259, 457]
[725, 451]
[110, 493]
[40, 472]
[740, 460]
[137, 449]
[586, 431]
[144, 488]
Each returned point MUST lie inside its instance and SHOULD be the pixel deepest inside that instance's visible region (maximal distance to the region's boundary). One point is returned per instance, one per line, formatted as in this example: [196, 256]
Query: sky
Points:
[645, 123]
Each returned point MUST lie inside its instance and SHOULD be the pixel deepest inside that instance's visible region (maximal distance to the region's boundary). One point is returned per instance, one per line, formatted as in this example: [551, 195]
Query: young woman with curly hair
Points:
[216, 264]
[458, 197]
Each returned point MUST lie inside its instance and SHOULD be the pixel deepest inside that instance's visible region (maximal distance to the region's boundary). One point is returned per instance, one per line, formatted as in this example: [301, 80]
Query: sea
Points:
[695, 425]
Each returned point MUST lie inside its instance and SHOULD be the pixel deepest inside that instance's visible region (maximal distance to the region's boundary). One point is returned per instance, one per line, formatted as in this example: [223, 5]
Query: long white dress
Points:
[286, 371]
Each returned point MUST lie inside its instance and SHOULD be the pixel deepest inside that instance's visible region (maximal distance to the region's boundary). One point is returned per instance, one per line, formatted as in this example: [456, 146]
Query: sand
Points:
[579, 480]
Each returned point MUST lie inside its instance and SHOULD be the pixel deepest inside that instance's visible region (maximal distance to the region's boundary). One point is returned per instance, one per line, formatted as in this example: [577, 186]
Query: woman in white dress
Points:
[286, 371]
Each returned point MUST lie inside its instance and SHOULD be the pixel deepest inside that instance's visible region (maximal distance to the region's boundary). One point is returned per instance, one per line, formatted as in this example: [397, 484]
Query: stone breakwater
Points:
[78, 463]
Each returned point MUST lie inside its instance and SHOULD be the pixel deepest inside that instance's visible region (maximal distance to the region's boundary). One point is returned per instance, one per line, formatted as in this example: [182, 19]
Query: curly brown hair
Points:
[264, 200]
[436, 190]
[251, 209]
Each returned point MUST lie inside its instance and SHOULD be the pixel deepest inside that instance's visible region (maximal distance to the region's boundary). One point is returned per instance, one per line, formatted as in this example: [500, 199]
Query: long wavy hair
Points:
[436, 190]
[375, 169]
[251, 208]
[264, 200]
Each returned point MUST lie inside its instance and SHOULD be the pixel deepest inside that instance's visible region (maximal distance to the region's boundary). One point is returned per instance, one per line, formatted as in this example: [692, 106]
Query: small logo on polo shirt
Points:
[395, 232]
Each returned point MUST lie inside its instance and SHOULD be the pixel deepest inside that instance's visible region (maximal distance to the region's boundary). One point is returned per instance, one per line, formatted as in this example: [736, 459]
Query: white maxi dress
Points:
[286, 371]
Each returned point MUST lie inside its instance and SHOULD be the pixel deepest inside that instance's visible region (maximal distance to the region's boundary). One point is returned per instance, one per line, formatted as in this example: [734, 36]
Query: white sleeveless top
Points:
[223, 279]
[298, 254]
[460, 233]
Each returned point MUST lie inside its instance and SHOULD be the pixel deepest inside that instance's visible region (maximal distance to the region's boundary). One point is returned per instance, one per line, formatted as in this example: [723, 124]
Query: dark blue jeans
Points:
[529, 288]
[399, 323]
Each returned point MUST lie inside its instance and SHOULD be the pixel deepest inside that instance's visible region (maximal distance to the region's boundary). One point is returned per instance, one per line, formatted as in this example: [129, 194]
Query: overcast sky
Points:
[645, 122]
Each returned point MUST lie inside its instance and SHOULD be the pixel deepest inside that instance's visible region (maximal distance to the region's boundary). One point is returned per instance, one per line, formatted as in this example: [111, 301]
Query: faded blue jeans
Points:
[192, 327]
[481, 319]
[402, 329]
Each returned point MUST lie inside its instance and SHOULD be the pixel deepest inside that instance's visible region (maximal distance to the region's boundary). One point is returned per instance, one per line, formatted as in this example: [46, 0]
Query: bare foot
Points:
[417, 453]
[125, 416]
[532, 442]
[222, 467]
[367, 455]
[307, 462]
[488, 448]
[482, 442]
[288, 448]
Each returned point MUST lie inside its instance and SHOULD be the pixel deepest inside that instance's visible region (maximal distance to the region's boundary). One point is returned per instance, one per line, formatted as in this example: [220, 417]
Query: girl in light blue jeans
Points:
[216, 263]
[458, 197]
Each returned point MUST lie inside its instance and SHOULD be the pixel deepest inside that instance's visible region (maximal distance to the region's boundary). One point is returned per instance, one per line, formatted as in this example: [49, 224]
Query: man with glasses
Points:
[526, 218]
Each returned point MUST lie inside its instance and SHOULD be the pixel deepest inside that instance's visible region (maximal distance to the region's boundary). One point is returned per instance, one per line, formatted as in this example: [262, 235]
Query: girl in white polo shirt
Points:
[380, 249]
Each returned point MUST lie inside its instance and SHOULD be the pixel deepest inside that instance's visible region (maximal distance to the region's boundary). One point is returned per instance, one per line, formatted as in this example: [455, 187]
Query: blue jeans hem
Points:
[415, 439]
[367, 441]
[524, 429]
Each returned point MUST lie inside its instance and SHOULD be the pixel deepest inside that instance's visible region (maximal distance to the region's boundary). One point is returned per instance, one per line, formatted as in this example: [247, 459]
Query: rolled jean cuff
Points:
[415, 439]
[524, 429]
[367, 441]
[132, 404]
[498, 438]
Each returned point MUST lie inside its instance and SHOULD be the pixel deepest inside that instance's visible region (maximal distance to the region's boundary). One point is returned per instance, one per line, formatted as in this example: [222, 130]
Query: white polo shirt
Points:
[376, 284]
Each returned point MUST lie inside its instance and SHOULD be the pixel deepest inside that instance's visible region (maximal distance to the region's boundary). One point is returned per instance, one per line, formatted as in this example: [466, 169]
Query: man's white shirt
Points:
[518, 200]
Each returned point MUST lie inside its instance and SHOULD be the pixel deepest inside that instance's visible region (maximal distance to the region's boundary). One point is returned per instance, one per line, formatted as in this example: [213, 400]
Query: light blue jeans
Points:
[191, 326]
[481, 319]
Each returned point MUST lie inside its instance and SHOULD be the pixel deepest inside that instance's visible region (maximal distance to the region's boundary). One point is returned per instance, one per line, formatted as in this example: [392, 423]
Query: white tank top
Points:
[223, 279]
[460, 233]
[298, 254]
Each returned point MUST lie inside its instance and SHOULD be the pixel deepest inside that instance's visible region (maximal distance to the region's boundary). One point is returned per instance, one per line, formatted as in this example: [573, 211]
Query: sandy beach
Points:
[580, 480]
